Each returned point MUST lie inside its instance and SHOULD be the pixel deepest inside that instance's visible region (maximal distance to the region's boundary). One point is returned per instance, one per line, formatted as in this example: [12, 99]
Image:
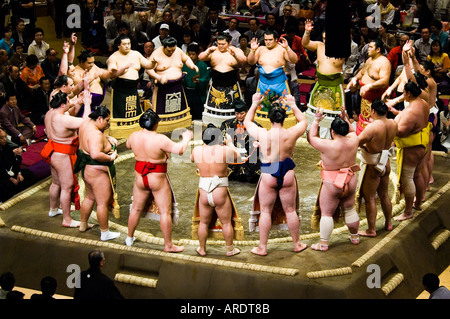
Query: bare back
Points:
[61, 128]
[413, 118]
[340, 152]
[328, 65]
[212, 160]
[378, 135]
[149, 146]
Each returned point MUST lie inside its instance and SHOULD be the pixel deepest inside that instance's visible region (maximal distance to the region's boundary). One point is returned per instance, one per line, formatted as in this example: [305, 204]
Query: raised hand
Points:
[309, 25]
[284, 43]
[254, 45]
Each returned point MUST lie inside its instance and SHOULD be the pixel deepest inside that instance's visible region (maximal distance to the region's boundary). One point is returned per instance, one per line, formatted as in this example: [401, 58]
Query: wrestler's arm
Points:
[73, 42]
[253, 56]
[188, 61]
[302, 123]
[70, 122]
[179, 148]
[95, 146]
[147, 63]
[306, 41]
[253, 129]
[231, 150]
[289, 55]
[206, 55]
[64, 65]
[366, 135]
[239, 55]
[313, 134]
[385, 73]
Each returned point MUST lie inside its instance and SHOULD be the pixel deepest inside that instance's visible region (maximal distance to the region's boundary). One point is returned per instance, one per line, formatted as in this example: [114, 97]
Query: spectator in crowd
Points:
[13, 178]
[213, 24]
[16, 86]
[164, 32]
[21, 35]
[389, 40]
[287, 18]
[111, 29]
[94, 284]
[174, 8]
[387, 12]
[93, 31]
[154, 15]
[18, 58]
[7, 279]
[48, 288]
[255, 31]
[41, 100]
[187, 40]
[175, 30]
[38, 47]
[200, 11]
[11, 117]
[395, 56]
[295, 43]
[422, 46]
[270, 6]
[271, 23]
[32, 72]
[185, 16]
[438, 34]
[4, 62]
[233, 32]
[129, 14]
[144, 29]
[7, 42]
[441, 63]
[51, 65]
[431, 283]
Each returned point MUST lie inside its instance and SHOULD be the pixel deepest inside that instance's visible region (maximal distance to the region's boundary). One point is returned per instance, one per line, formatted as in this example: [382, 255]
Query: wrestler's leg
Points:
[385, 201]
[288, 201]
[224, 212]
[97, 176]
[86, 208]
[425, 171]
[140, 197]
[351, 216]
[63, 166]
[411, 160]
[160, 187]
[267, 194]
[206, 213]
[419, 181]
[54, 193]
[328, 201]
[368, 191]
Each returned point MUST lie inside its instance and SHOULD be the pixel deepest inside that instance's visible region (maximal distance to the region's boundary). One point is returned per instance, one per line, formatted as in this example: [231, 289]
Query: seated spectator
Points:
[48, 288]
[422, 46]
[13, 180]
[174, 8]
[32, 72]
[175, 30]
[93, 31]
[244, 70]
[11, 117]
[438, 34]
[351, 63]
[424, 15]
[7, 42]
[18, 58]
[124, 28]
[41, 98]
[51, 65]
[164, 32]
[186, 16]
[287, 18]
[431, 284]
[387, 12]
[301, 27]
[254, 7]
[144, 29]
[200, 11]
[213, 24]
[271, 23]
[16, 86]
[441, 63]
[129, 14]
[93, 283]
[21, 35]
[7, 279]
[388, 39]
[38, 47]
[187, 40]
[255, 31]
[154, 15]
[270, 6]
[233, 32]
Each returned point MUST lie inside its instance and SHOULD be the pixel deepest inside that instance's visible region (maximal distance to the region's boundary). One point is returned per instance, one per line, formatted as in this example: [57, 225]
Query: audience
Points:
[48, 288]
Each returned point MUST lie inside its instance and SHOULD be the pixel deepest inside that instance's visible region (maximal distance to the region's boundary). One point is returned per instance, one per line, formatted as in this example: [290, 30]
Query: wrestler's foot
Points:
[174, 249]
[231, 251]
[354, 239]
[319, 247]
[201, 252]
[259, 251]
[109, 235]
[129, 240]
[85, 226]
[388, 226]
[72, 224]
[300, 247]
[367, 233]
[55, 212]
[419, 208]
[403, 217]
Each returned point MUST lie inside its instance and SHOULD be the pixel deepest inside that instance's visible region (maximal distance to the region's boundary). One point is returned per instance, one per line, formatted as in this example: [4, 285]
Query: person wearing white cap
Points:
[164, 31]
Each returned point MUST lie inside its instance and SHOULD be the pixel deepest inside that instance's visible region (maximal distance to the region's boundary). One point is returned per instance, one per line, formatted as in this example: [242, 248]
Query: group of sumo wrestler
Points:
[80, 144]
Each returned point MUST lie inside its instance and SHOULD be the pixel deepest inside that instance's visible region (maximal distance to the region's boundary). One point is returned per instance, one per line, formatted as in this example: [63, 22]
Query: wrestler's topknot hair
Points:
[277, 114]
[99, 111]
[339, 126]
[224, 36]
[58, 99]
[212, 135]
[275, 33]
[149, 119]
[421, 80]
[429, 66]
[412, 88]
[379, 107]
[169, 42]
[60, 81]
[85, 55]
